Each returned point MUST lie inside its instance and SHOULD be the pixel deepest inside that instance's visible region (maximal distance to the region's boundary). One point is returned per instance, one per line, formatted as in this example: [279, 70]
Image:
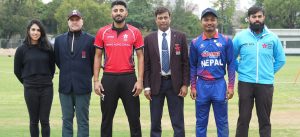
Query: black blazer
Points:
[179, 63]
[76, 70]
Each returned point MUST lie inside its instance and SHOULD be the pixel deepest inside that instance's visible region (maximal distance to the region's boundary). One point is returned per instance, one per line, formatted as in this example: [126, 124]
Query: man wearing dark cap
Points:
[211, 54]
[74, 56]
[118, 41]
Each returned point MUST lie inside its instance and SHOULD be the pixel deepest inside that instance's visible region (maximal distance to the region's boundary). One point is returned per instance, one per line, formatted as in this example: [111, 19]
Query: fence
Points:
[12, 43]
[290, 39]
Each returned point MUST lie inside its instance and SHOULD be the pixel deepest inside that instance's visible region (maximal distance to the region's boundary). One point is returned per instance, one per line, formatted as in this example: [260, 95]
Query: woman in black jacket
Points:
[34, 67]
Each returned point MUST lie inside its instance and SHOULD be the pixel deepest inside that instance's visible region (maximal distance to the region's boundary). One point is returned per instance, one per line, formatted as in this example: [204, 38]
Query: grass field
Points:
[285, 115]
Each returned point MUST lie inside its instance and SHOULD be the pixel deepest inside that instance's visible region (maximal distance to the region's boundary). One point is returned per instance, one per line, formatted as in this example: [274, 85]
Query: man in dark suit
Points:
[166, 73]
[74, 56]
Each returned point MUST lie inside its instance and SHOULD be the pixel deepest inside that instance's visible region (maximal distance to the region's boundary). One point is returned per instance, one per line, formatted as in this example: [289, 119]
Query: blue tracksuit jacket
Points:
[260, 56]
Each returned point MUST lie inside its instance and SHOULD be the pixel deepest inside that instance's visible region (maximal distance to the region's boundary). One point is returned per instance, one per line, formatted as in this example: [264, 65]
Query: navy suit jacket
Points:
[76, 70]
[179, 62]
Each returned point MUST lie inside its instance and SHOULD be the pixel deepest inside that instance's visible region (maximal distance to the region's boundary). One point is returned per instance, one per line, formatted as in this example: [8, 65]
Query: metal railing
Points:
[10, 43]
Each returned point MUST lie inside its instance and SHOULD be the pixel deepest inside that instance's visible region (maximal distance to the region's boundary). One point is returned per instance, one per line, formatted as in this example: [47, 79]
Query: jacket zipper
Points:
[72, 46]
[257, 52]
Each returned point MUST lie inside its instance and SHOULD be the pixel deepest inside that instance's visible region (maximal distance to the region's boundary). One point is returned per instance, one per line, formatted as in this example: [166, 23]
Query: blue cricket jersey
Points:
[209, 58]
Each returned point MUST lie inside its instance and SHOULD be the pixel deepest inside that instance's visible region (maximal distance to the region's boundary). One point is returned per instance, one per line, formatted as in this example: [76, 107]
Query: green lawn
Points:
[285, 116]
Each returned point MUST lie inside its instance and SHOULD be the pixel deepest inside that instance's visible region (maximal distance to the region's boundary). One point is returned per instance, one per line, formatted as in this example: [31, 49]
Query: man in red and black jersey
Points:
[118, 41]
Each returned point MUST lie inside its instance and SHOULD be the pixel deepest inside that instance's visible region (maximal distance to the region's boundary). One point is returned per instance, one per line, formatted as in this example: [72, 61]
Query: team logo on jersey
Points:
[219, 44]
[210, 54]
[264, 45]
[268, 45]
[202, 46]
[125, 37]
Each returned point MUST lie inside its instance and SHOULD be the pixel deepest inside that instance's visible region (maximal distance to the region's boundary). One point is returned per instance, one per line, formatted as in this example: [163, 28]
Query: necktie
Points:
[165, 54]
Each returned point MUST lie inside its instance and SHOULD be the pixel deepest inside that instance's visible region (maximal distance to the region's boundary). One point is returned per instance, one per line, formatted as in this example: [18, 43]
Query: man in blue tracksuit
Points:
[260, 56]
[210, 53]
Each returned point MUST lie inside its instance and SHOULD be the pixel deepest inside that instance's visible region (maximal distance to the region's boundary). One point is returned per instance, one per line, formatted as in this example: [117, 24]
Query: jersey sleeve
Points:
[230, 64]
[236, 48]
[279, 55]
[139, 41]
[193, 64]
[99, 39]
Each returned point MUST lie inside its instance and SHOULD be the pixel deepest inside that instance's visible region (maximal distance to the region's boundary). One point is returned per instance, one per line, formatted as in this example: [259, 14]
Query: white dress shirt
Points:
[160, 38]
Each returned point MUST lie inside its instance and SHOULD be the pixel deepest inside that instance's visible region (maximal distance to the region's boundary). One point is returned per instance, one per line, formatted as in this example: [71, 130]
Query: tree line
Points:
[15, 14]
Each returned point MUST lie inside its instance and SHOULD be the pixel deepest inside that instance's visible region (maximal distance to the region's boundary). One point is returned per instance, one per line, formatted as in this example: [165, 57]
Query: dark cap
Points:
[209, 11]
[74, 13]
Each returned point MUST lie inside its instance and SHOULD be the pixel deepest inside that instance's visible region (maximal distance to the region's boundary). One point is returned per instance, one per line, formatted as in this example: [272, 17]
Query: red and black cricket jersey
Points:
[119, 47]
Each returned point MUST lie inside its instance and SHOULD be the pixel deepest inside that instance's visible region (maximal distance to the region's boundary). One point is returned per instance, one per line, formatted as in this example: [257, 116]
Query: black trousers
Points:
[175, 106]
[262, 95]
[39, 101]
[115, 87]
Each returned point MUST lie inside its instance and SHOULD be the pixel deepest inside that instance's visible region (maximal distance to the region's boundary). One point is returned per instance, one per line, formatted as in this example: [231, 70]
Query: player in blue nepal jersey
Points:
[211, 54]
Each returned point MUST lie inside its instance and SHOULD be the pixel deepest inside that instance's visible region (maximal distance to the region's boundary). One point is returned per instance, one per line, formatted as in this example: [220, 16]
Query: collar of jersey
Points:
[119, 29]
[215, 36]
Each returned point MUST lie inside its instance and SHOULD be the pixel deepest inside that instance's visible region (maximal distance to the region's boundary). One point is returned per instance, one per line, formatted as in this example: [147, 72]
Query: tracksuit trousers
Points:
[120, 86]
[211, 92]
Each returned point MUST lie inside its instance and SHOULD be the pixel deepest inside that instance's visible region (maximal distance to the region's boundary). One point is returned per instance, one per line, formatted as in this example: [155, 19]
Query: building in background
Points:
[290, 39]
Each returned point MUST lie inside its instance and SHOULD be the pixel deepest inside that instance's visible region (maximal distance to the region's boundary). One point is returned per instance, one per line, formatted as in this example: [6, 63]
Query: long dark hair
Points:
[43, 41]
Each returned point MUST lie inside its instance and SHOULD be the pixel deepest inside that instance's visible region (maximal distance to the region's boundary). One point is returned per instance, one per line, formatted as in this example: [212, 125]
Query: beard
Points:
[210, 29]
[119, 20]
[257, 26]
